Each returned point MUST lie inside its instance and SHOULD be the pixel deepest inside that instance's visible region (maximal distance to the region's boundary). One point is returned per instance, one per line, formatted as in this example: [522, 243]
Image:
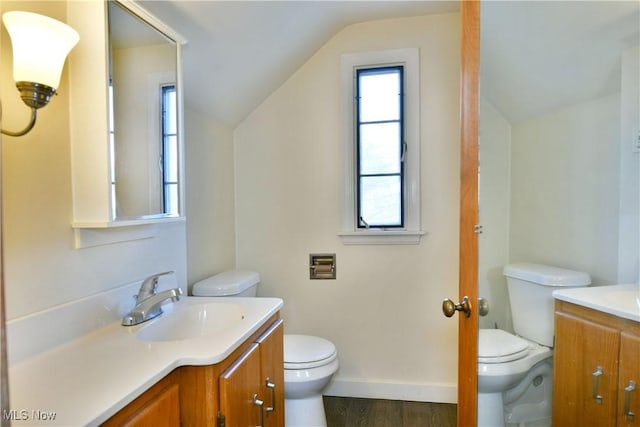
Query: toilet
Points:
[309, 364]
[309, 361]
[515, 372]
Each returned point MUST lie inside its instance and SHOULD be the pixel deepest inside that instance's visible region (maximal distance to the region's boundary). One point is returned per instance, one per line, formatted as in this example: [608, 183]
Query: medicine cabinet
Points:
[126, 117]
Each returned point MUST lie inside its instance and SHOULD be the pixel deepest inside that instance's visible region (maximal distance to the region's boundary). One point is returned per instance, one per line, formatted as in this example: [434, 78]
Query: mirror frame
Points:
[147, 196]
[89, 131]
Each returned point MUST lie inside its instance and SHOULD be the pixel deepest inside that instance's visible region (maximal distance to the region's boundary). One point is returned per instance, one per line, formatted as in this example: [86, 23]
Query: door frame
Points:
[469, 211]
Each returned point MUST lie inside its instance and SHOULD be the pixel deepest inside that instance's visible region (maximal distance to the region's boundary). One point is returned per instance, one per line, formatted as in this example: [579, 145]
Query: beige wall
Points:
[565, 189]
[495, 200]
[550, 191]
[42, 267]
[384, 310]
[629, 244]
[211, 238]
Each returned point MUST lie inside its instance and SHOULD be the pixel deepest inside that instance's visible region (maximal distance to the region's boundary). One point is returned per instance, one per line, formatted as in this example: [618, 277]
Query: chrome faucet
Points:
[148, 302]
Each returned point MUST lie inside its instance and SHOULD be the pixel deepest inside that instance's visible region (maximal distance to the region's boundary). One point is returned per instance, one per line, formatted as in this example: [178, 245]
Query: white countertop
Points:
[618, 300]
[87, 380]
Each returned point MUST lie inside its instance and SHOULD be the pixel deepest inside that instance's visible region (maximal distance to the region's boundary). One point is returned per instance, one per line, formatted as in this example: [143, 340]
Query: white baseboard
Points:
[437, 393]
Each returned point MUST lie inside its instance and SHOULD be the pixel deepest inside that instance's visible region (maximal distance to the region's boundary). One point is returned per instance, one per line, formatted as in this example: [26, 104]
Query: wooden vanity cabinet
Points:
[629, 370]
[157, 407]
[251, 389]
[194, 396]
[596, 357]
[240, 401]
[226, 390]
[271, 346]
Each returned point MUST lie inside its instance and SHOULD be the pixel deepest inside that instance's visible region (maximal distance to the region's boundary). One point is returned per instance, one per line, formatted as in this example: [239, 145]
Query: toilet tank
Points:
[234, 283]
[532, 306]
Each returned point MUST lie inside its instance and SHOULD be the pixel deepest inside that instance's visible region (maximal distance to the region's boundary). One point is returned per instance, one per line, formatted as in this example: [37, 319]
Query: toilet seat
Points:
[306, 352]
[498, 346]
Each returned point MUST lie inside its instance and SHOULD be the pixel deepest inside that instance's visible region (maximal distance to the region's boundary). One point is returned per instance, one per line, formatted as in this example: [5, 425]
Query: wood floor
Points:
[355, 412]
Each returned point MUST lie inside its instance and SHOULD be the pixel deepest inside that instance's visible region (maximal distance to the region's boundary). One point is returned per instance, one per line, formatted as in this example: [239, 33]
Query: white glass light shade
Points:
[40, 46]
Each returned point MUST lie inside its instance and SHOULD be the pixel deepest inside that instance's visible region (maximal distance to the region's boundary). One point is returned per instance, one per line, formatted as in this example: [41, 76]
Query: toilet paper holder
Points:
[322, 266]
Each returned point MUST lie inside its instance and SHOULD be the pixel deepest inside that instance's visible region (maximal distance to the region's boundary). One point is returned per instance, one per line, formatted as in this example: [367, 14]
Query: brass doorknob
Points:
[449, 307]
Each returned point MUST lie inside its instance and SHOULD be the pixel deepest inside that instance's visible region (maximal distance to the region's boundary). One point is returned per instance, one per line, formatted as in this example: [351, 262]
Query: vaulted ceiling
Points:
[538, 56]
[239, 52]
[535, 55]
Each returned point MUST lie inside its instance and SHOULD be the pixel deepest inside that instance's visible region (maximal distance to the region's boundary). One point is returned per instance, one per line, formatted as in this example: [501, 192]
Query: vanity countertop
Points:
[619, 300]
[87, 380]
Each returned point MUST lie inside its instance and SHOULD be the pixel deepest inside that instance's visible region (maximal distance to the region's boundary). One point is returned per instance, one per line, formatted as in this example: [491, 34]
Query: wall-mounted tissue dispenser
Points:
[322, 266]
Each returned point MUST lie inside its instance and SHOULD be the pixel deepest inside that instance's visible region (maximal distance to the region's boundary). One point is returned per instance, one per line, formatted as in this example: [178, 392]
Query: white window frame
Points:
[411, 233]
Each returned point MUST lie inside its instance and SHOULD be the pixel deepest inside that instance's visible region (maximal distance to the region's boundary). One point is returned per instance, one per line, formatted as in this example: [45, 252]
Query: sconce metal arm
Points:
[35, 96]
[32, 122]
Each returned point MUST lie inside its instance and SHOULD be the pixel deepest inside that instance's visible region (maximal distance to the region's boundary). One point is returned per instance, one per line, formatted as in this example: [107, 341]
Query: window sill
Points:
[381, 237]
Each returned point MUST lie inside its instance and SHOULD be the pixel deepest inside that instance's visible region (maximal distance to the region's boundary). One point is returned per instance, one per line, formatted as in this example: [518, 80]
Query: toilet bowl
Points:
[505, 362]
[309, 364]
[515, 371]
[309, 361]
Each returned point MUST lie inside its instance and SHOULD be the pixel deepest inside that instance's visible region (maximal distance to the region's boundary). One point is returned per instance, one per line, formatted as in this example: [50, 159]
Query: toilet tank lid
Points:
[227, 283]
[546, 275]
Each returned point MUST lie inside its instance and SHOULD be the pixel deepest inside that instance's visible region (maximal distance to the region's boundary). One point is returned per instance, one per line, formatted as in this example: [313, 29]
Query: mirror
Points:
[559, 164]
[143, 123]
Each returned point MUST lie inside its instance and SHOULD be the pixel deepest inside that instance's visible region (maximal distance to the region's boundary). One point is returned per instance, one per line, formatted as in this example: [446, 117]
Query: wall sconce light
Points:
[40, 47]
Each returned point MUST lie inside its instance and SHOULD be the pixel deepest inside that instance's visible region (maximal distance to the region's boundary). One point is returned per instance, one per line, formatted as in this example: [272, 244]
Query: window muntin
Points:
[379, 144]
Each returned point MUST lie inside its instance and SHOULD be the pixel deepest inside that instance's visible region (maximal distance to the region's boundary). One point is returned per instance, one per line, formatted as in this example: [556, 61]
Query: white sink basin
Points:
[619, 300]
[189, 321]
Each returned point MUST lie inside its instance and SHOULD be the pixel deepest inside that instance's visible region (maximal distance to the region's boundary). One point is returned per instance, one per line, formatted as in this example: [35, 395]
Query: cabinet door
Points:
[239, 390]
[580, 348]
[163, 410]
[157, 407]
[629, 400]
[272, 373]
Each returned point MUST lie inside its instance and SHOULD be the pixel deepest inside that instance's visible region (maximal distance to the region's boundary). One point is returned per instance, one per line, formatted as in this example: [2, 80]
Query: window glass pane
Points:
[111, 125]
[379, 94]
[380, 200]
[171, 199]
[170, 110]
[380, 148]
[171, 159]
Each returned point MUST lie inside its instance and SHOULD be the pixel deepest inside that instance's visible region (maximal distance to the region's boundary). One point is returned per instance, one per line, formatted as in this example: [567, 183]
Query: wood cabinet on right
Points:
[596, 368]
[252, 388]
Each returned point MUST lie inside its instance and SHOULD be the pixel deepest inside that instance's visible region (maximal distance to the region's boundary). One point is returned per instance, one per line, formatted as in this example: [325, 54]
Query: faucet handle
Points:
[157, 275]
[150, 284]
[153, 279]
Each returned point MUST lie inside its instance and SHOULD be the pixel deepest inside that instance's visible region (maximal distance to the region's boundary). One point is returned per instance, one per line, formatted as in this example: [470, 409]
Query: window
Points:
[112, 152]
[169, 150]
[379, 145]
[382, 147]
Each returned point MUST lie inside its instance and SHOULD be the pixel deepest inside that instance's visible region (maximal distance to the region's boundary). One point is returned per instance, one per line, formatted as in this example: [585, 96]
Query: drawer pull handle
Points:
[627, 400]
[596, 378]
[260, 403]
[272, 386]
